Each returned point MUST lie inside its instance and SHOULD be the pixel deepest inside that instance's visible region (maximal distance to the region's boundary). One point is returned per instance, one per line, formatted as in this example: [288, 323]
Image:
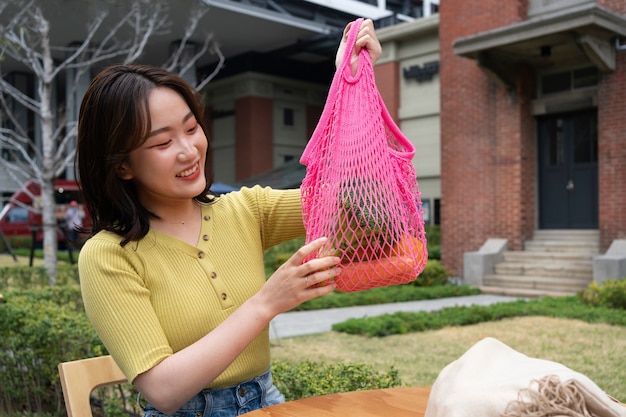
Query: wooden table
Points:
[391, 402]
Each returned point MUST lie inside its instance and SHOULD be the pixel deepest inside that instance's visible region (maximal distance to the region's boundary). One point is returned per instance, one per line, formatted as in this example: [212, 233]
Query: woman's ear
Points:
[124, 172]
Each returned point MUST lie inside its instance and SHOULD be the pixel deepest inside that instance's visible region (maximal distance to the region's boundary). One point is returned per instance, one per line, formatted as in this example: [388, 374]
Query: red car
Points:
[18, 218]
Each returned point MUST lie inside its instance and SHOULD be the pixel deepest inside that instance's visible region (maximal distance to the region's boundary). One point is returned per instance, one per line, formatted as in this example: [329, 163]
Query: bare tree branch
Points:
[11, 141]
[115, 31]
[70, 61]
[215, 71]
[195, 16]
[7, 111]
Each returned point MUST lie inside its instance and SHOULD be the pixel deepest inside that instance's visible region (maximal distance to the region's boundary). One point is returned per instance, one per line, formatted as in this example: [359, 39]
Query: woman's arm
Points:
[171, 383]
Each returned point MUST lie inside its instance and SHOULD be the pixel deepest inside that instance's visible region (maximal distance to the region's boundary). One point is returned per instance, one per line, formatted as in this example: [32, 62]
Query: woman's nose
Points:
[187, 149]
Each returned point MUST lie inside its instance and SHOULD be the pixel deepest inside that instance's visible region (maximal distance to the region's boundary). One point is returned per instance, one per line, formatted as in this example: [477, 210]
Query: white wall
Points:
[290, 95]
[416, 44]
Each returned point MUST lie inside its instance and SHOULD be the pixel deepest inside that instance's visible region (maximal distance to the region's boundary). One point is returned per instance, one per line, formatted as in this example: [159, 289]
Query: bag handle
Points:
[345, 67]
[305, 158]
[365, 60]
[344, 70]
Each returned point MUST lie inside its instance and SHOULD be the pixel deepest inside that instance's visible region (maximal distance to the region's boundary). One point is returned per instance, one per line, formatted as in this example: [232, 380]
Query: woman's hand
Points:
[365, 39]
[173, 381]
[296, 282]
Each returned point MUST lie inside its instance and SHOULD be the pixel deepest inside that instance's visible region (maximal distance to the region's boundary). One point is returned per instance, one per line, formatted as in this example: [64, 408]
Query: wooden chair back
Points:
[79, 378]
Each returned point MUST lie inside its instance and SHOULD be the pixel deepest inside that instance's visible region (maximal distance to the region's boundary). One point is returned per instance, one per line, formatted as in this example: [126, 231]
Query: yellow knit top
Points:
[156, 296]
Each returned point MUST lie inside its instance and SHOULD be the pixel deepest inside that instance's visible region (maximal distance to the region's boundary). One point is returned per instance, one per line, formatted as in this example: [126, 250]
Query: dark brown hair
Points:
[114, 120]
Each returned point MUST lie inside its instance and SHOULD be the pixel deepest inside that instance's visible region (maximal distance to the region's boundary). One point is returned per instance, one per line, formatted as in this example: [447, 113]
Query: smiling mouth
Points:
[188, 172]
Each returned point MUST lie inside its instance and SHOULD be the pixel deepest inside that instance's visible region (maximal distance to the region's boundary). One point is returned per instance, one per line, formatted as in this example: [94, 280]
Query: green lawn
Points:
[597, 350]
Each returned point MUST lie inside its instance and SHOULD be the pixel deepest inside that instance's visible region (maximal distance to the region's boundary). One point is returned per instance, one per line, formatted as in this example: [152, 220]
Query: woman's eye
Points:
[161, 144]
[192, 128]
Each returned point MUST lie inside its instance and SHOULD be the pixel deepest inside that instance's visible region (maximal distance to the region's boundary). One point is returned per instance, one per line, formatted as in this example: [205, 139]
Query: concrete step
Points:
[522, 293]
[546, 257]
[567, 234]
[541, 283]
[580, 270]
[585, 241]
[573, 246]
[553, 263]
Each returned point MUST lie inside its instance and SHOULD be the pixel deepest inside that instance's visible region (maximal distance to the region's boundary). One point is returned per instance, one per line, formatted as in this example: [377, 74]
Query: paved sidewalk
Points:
[298, 323]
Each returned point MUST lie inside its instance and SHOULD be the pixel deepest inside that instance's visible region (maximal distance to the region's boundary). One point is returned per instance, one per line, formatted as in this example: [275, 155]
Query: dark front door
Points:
[568, 171]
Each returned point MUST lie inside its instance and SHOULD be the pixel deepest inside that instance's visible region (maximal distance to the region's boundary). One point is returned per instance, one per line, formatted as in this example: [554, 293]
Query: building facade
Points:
[277, 55]
[533, 121]
[516, 108]
[261, 123]
[407, 75]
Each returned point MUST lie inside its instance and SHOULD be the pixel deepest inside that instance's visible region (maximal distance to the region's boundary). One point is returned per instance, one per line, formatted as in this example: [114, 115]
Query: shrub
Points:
[41, 328]
[308, 379]
[433, 241]
[435, 273]
[277, 255]
[27, 277]
[434, 251]
[278, 260]
[16, 242]
[433, 234]
[612, 294]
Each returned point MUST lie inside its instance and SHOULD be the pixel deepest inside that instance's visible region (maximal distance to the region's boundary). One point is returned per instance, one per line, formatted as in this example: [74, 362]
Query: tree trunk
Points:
[48, 206]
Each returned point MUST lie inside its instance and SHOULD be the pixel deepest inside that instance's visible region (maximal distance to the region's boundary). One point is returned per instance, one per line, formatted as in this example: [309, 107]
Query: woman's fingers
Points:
[367, 39]
[308, 249]
[298, 279]
[315, 270]
[323, 276]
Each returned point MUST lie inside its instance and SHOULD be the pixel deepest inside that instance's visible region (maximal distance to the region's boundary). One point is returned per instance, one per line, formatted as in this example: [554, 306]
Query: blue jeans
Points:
[250, 395]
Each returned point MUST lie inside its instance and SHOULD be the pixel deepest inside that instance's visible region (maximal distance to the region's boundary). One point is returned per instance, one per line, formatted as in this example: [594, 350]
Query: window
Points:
[564, 81]
[436, 217]
[426, 211]
[430, 210]
[288, 117]
[554, 83]
[17, 215]
[585, 77]
[585, 131]
[556, 145]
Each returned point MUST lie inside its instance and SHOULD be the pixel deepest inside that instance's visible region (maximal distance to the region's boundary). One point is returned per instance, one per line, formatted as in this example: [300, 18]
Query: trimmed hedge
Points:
[404, 322]
[308, 379]
[391, 294]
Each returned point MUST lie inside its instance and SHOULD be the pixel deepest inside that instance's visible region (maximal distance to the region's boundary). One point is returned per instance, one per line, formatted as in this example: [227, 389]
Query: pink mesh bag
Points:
[360, 188]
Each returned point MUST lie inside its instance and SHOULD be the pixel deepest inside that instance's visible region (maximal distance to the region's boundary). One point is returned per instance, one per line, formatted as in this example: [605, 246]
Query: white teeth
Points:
[188, 172]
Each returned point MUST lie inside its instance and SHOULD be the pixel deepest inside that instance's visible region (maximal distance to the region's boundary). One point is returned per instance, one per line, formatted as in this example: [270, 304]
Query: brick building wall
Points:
[253, 136]
[487, 139]
[612, 154]
[611, 146]
[489, 146]
[388, 83]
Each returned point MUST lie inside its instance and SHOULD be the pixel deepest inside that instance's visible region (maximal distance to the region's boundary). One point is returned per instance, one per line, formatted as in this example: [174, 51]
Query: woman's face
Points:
[169, 165]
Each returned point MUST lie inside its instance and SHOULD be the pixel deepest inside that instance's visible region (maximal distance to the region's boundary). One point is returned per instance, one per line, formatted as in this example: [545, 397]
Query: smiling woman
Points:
[172, 276]
[166, 170]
